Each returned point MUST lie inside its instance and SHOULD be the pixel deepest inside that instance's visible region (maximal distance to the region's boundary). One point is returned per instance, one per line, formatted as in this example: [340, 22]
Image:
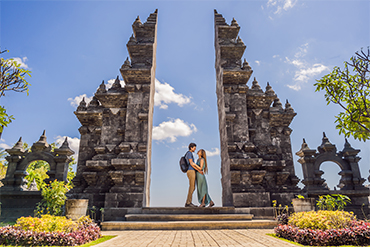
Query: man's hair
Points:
[192, 145]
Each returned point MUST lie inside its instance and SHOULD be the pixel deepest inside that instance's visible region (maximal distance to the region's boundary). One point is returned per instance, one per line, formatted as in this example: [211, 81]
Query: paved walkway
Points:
[225, 238]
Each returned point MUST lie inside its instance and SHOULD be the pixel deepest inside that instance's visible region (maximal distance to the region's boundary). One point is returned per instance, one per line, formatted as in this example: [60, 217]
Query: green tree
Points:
[350, 89]
[12, 78]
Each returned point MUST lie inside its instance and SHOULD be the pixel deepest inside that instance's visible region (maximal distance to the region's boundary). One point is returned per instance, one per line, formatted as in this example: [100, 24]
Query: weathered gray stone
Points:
[256, 155]
[116, 132]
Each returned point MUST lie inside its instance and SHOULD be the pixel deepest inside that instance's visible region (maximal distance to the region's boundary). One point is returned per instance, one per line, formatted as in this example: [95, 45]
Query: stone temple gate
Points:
[114, 168]
[115, 150]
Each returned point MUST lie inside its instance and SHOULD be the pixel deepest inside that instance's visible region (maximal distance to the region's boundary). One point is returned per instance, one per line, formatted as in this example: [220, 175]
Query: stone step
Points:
[187, 225]
[188, 210]
[187, 217]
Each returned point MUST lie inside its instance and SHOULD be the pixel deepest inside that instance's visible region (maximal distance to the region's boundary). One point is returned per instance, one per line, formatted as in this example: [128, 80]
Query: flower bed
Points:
[358, 233]
[84, 231]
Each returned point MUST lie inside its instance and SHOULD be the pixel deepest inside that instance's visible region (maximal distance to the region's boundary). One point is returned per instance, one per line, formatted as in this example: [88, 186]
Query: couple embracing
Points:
[195, 174]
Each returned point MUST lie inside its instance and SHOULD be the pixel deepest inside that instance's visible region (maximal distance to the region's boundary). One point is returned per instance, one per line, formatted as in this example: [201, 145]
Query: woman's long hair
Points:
[203, 155]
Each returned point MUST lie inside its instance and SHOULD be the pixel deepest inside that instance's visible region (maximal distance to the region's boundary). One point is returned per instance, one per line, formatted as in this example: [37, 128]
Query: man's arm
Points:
[195, 166]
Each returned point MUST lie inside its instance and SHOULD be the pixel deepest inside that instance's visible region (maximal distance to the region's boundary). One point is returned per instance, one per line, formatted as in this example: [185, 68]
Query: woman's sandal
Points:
[211, 204]
[202, 205]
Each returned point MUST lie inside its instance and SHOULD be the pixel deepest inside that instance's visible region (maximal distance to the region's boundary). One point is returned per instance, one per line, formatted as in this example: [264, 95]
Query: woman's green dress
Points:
[202, 187]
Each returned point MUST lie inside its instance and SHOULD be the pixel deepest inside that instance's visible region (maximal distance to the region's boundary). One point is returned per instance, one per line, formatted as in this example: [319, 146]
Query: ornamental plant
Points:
[47, 223]
[322, 220]
[32, 232]
[54, 196]
[358, 233]
[333, 202]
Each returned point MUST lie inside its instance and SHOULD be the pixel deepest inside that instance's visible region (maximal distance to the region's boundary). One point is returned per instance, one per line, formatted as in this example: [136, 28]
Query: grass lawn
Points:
[286, 240]
[98, 241]
[6, 223]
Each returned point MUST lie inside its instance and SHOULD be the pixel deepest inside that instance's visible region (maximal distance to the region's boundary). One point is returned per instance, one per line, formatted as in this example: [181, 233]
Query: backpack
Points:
[184, 166]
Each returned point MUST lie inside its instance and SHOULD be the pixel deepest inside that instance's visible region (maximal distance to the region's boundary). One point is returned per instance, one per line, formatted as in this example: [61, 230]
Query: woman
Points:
[202, 188]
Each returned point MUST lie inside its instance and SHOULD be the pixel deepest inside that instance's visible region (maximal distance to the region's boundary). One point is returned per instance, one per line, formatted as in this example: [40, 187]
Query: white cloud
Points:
[214, 152]
[73, 142]
[4, 146]
[305, 71]
[275, 56]
[288, 4]
[257, 62]
[305, 74]
[278, 6]
[172, 129]
[111, 81]
[164, 95]
[76, 100]
[302, 51]
[21, 61]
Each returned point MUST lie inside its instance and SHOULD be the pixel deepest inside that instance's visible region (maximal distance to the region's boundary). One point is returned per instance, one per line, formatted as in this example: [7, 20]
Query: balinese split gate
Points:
[114, 168]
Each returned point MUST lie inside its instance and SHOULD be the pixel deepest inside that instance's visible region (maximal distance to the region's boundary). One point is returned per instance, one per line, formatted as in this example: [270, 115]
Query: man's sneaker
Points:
[190, 205]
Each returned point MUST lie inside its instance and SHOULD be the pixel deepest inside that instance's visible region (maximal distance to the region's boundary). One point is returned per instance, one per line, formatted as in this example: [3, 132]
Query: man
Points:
[191, 174]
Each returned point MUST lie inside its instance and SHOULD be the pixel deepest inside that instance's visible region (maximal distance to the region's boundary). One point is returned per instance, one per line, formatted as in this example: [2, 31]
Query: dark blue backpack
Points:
[184, 165]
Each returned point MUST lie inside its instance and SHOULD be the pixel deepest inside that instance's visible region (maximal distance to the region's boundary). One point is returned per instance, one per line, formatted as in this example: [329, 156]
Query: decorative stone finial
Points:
[132, 38]
[269, 90]
[117, 83]
[255, 85]
[64, 148]
[234, 23]
[304, 145]
[82, 106]
[41, 144]
[93, 103]
[19, 144]
[215, 11]
[43, 138]
[239, 40]
[101, 88]
[277, 104]
[137, 22]
[156, 11]
[127, 63]
[17, 149]
[288, 107]
[246, 65]
[326, 146]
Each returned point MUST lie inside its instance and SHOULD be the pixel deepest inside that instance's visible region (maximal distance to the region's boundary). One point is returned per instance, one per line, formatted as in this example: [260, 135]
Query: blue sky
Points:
[71, 46]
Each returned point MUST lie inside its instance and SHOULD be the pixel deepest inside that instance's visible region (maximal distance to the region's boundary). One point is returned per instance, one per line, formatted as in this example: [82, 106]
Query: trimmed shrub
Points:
[322, 220]
[358, 233]
[82, 232]
[47, 223]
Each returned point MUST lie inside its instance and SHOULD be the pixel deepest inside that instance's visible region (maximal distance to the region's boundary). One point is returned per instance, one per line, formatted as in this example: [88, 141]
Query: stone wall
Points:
[256, 155]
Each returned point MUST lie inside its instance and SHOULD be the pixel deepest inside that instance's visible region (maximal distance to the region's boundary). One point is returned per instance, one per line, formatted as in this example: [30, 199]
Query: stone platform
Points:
[181, 218]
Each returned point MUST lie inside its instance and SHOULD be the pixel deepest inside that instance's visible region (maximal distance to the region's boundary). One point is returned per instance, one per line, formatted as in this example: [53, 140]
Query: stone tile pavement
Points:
[226, 238]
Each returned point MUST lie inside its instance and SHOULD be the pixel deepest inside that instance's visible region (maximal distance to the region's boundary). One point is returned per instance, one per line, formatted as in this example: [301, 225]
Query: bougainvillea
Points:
[358, 233]
[85, 231]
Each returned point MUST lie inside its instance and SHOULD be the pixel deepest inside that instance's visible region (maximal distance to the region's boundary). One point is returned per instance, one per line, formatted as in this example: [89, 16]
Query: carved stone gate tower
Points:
[256, 155]
[116, 133]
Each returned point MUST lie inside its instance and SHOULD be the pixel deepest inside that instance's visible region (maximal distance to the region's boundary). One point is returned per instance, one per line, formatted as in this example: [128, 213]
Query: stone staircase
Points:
[182, 218]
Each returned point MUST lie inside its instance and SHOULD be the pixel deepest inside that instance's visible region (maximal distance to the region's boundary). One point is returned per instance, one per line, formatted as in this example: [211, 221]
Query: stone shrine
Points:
[257, 163]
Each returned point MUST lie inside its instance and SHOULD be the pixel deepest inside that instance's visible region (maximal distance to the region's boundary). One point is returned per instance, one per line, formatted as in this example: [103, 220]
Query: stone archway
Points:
[351, 180]
[346, 159]
[16, 199]
[331, 174]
